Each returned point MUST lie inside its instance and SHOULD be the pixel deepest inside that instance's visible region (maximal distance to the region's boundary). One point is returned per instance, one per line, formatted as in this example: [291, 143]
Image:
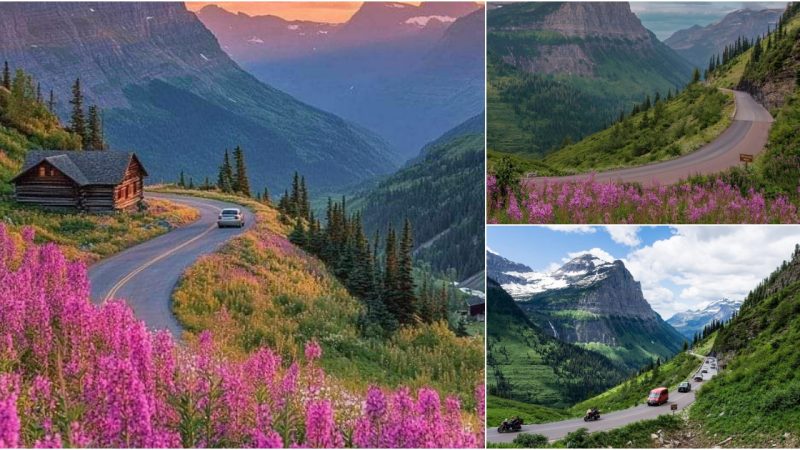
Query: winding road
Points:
[145, 275]
[557, 430]
[747, 133]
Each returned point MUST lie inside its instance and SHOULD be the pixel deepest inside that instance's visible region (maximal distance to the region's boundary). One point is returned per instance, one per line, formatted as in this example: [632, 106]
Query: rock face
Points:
[690, 322]
[171, 94]
[595, 303]
[698, 44]
[407, 72]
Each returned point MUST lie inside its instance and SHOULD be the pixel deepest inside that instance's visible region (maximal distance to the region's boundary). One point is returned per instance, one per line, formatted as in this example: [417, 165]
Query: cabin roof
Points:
[83, 167]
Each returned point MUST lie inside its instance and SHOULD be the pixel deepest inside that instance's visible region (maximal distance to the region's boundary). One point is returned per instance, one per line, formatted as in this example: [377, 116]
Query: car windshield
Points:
[230, 212]
[654, 395]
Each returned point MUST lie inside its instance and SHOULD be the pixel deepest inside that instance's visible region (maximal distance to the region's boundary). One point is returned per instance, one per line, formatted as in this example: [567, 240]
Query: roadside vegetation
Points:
[260, 289]
[756, 399]
[58, 350]
[502, 408]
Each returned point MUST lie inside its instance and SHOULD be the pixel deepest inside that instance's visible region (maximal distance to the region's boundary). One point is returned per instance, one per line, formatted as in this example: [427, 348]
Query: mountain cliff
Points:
[559, 71]
[527, 364]
[408, 73]
[171, 94]
[596, 304]
[698, 44]
[690, 322]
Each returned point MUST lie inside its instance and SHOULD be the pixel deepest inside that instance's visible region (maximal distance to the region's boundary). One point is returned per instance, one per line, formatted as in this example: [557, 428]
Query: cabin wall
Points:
[128, 193]
[49, 188]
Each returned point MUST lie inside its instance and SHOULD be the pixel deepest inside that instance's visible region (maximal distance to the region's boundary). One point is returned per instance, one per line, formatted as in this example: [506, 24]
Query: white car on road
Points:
[230, 217]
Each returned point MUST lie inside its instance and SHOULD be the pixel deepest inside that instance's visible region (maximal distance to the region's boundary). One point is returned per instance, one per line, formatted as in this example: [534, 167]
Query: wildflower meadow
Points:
[81, 375]
[590, 201]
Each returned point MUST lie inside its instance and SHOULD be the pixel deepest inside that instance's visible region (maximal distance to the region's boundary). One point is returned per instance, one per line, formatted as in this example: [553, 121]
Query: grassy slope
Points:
[757, 398]
[503, 408]
[259, 289]
[81, 236]
[528, 366]
[687, 122]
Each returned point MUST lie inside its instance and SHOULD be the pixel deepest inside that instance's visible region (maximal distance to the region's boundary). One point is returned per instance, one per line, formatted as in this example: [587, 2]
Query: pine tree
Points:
[305, 205]
[96, 141]
[241, 183]
[390, 274]
[298, 234]
[405, 276]
[225, 177]
[51, 103]
[294, 199]
[77, 120]
[6, 76]
[182, 181]
[696, 75]
[191, 183]
[39, 93]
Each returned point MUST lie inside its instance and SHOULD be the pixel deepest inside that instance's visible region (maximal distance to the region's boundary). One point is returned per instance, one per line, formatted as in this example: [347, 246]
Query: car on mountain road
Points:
[685, 387]
[658, 396]
[698, 378]
[230, 217]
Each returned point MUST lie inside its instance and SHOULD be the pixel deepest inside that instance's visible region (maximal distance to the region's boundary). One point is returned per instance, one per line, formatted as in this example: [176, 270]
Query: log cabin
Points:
[90, 181]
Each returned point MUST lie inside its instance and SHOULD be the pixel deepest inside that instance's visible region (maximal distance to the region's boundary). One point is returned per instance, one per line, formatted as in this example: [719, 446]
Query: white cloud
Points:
[624, 234]
[580, 229]
[598, 252]
[701, 264]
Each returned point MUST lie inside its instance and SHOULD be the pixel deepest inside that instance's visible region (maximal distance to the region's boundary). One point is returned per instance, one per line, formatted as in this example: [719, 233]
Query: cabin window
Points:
[42, 171]
[52, 171]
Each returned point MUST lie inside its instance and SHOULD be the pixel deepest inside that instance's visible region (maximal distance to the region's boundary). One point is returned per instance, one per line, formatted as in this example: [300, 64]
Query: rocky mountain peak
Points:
[596, 19]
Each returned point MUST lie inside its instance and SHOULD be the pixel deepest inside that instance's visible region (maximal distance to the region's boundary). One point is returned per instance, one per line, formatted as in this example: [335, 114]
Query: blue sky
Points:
[665, 18]
[680, 267]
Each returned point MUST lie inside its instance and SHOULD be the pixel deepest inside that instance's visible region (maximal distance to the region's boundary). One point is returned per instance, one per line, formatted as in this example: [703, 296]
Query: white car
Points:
[230, 217]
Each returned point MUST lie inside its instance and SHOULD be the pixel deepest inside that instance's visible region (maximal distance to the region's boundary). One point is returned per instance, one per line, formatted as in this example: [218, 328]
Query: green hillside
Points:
[756, 399]
[441, 192]
[535, 113]
[528, 366]
[668, 129]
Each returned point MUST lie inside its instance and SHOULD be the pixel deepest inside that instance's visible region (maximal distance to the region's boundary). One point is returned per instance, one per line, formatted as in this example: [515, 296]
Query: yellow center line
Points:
[113, 291]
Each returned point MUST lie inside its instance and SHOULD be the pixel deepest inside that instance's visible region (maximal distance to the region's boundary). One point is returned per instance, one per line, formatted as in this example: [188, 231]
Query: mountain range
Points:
[441, 192]
[698, 43]
[593, 303]
[690, 322]
[525, 363]
[560, 71]
[169, 92]
[407, 72]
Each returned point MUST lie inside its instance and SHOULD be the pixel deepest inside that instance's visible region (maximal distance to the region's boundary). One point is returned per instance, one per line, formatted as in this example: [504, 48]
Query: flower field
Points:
[80, 375]
[589, 201]
[261, 290]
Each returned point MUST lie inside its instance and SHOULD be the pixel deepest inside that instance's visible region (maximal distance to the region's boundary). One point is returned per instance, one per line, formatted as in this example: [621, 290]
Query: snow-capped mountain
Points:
[520, 281]
[692, 321]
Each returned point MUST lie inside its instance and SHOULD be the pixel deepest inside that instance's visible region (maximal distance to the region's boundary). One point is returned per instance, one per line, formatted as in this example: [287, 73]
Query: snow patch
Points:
[293, 27]
[255, 40]
[204, 57]
[91, 9]
[148, 18]
[422, 21]
[322, 32]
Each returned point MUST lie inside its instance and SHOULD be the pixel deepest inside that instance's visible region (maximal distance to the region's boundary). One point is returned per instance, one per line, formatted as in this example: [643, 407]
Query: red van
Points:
[658, 396]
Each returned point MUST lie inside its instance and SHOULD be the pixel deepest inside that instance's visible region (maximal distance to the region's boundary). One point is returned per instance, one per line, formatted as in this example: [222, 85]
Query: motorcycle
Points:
[510, 425]
[593, 414]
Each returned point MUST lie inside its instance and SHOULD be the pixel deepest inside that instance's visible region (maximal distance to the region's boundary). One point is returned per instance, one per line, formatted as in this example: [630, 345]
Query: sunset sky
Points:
[330, 12]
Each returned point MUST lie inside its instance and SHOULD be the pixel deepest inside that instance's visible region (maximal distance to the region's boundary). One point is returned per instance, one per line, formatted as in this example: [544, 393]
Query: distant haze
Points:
[665, 18]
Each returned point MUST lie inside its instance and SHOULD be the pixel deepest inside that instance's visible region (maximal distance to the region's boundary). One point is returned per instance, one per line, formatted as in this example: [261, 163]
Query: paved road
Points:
[616, 419]
[145, 275]
[747, 133]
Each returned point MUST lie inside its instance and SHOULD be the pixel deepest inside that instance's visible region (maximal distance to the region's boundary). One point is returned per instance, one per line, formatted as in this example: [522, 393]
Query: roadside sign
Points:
[745, 158]
[673, 407]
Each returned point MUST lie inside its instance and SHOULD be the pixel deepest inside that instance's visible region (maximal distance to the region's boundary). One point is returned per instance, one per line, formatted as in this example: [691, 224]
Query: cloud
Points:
[624, 234]
[701, 264]
[579, 229]
[598, 252]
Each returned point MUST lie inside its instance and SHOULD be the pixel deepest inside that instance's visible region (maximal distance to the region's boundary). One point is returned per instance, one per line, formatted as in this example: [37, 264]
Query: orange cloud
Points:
[328, 12]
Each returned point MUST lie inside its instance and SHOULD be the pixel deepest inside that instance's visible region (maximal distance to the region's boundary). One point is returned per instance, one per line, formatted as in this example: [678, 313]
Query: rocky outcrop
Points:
[690, 322]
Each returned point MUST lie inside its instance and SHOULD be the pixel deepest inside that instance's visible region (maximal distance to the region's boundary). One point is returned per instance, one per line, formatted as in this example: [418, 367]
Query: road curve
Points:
[557, 430]
[145, 275]
[747, 133]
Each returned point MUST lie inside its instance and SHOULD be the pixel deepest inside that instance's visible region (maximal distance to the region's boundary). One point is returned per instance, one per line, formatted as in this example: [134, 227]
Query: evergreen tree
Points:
[696, 75]
[405, 277]
[77, 120]
[265, 197]
[96, 140]
[6, 76]
[225, 177]
[51, 103]
[298, 234]
[241, 183]
[182, 181]
[191, 183]
[304, 207]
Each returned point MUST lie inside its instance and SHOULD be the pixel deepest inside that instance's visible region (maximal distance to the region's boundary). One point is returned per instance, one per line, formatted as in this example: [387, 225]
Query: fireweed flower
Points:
[126, 386]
